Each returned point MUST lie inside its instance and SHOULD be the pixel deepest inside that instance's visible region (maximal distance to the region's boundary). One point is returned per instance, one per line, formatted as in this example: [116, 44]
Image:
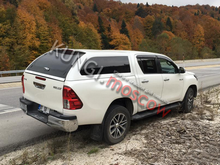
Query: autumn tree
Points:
[206, 53]
[138, 24]
[120, 42]
[88, 36]
[149, 46]
[182, 48]
[179, 29]
[75, 44]
[163, 41]
[198, 38]
[72, 6]
[148, 26]
[4, 59]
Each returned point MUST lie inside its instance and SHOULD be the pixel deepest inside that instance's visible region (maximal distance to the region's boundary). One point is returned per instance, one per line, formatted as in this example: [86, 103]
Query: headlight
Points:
[196, 77]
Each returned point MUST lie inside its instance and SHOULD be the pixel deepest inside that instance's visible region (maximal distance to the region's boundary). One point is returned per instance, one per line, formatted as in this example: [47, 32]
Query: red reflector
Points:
[40, 78]
[22, 81]
[70, 100]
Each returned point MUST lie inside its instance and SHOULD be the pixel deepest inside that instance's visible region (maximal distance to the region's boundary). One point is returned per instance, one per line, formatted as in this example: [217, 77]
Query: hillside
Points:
[29, 28]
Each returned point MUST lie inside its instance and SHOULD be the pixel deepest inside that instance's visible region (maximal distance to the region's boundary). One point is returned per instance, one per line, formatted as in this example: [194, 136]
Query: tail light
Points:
[70, 100]
[22, 81]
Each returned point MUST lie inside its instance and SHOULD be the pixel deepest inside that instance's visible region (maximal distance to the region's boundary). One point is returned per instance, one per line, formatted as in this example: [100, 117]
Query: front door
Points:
[173, 81]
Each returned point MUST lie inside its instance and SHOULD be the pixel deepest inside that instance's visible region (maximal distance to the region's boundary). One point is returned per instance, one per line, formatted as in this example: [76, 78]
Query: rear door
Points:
[44, 78]
[150, 82]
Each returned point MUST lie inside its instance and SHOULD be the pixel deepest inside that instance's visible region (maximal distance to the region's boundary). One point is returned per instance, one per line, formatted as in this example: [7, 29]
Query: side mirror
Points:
[181, 70]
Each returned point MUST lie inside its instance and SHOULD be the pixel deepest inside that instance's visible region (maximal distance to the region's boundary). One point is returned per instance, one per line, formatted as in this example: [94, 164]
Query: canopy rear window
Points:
[55, 63]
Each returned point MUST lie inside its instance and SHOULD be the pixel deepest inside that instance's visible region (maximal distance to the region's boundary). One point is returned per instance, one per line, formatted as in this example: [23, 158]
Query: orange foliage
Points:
[56, 33]
[148, 25]
[120, 42]
[27, 27]
[4, 61]
[170, 34]
[199, 37]
[43, 4]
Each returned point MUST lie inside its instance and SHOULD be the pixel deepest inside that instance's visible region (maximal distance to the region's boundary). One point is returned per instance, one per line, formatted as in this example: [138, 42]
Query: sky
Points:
[176, 2]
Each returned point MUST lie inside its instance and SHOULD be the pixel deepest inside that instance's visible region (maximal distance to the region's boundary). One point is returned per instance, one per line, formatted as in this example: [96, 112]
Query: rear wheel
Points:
[117, 124]
[188, 101]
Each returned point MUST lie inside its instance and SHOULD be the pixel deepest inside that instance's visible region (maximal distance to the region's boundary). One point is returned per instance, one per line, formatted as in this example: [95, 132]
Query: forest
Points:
[28, 28]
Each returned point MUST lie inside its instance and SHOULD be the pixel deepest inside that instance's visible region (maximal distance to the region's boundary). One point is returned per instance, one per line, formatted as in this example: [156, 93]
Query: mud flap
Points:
[97, 132]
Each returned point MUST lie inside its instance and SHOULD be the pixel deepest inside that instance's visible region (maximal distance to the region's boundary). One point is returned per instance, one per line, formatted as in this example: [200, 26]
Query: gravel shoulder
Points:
[192, 138]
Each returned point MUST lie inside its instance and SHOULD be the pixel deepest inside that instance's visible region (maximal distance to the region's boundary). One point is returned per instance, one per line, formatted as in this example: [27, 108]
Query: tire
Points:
[188, 101]
[116, 124]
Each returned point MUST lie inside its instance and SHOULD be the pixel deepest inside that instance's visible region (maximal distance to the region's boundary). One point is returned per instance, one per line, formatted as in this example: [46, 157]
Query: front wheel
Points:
[188, 101]
[117, 124]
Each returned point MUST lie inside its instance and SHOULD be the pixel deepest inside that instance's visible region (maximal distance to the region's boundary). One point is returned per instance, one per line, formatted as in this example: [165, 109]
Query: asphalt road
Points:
[207, 76]
[10, 79]
[198, 63]
[17, 129]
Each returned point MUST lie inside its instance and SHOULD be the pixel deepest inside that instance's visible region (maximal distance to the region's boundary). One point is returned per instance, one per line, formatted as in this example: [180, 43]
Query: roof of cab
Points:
[127, 52]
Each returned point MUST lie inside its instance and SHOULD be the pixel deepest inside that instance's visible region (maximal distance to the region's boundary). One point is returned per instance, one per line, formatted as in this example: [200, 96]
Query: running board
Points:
[149, 113]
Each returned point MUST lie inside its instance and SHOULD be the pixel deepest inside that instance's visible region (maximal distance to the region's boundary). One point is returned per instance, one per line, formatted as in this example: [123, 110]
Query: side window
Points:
[167, 66]
[106, 65]
[147, 65]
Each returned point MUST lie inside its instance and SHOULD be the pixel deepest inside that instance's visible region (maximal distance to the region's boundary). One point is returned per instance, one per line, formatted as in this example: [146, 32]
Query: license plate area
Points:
[43, 109]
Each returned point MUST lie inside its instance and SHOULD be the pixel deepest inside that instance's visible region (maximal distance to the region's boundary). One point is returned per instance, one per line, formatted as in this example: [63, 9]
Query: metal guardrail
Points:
[11, 72]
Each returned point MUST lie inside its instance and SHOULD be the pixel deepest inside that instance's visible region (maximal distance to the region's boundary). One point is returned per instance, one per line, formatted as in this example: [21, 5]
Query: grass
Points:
[52, 150]
[93, 151]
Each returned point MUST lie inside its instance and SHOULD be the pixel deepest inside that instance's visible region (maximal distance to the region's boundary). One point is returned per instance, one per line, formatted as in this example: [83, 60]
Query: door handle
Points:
[145, 81]
[181, 79]
[166, 79]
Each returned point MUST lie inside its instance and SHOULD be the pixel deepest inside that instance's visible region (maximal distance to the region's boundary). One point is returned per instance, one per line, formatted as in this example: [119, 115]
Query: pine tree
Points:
[124, 29]
[105, 41]
[141, 12]
[14, 2]
[138, 5]
[104, 37]
[169, 24]
[101, 27]
[147, 4]
[157, 27]
[95, 9]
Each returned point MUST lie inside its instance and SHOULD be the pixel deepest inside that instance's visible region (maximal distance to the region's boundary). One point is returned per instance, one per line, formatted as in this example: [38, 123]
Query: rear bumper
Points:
[53, 119]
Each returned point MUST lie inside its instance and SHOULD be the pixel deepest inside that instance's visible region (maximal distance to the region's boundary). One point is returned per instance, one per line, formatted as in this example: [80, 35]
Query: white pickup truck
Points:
[67, 88]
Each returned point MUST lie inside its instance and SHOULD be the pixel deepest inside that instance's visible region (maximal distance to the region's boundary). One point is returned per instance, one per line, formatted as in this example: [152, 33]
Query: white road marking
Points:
[10, 111]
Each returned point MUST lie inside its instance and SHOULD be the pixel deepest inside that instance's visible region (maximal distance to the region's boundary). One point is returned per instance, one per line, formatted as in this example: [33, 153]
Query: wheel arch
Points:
[125, 102]
[194, 87]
